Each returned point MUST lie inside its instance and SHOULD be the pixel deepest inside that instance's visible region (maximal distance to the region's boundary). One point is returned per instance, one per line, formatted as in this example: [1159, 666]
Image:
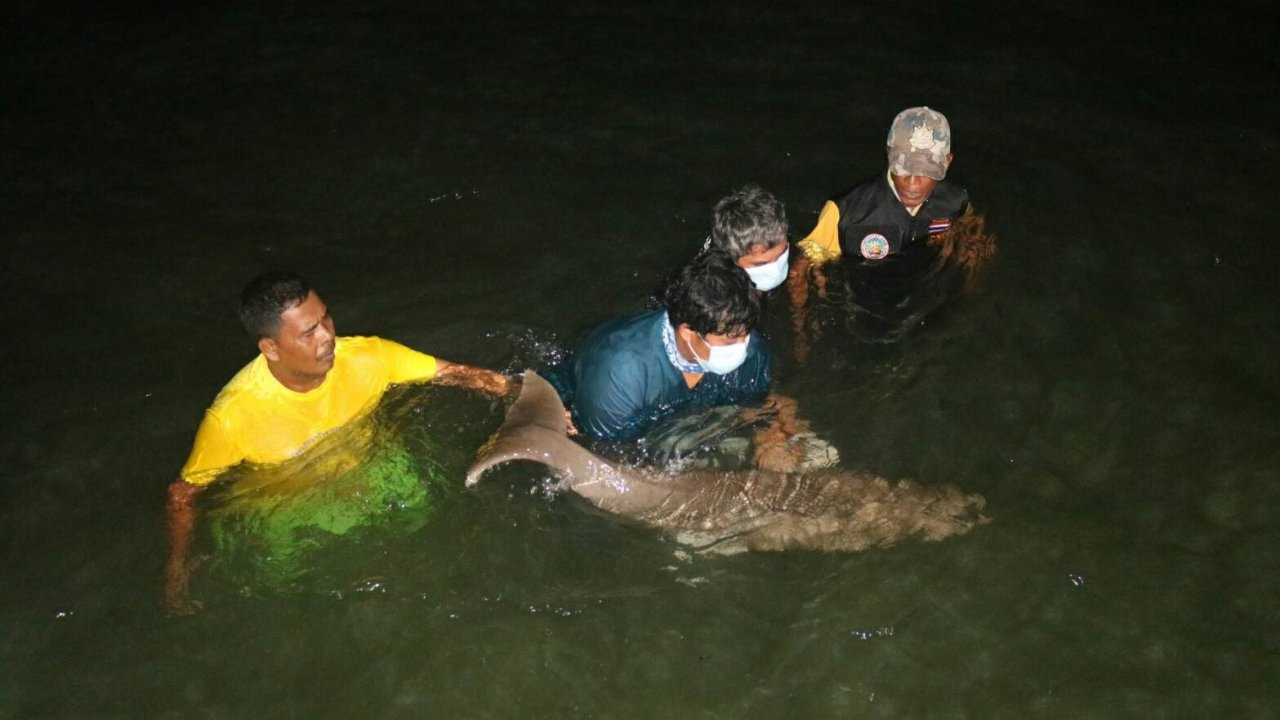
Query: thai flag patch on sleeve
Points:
[938, 226]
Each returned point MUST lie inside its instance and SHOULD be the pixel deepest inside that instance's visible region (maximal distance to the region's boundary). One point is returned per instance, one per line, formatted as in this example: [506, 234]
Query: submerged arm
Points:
[798, 292]
[181, 512]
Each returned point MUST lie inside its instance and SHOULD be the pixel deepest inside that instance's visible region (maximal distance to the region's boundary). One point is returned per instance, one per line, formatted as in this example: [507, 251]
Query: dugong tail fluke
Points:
[533, 430]
[731, 511]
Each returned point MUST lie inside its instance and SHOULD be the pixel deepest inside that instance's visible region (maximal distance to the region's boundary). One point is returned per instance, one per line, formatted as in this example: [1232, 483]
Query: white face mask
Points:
[722, 359]
[770, 276]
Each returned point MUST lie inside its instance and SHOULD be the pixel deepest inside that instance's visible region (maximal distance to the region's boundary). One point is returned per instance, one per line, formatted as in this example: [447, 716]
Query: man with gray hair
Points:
[750, 225]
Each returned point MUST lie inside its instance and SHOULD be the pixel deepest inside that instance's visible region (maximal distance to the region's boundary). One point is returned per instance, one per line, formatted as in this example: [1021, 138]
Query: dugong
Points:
[721, 511]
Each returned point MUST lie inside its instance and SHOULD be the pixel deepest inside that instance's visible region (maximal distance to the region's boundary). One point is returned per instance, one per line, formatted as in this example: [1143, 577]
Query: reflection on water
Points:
[274, 528]
[882, 301]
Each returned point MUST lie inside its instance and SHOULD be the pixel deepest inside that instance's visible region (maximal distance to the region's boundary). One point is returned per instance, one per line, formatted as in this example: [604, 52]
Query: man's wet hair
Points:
[267, 297]
[748, 218]
[711, 294]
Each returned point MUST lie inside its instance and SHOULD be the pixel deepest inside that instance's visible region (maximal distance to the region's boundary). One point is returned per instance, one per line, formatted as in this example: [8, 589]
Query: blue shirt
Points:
[619, 380]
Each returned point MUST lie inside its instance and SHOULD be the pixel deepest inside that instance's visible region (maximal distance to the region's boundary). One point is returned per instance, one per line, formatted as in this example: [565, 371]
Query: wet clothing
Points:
[277, 528]
[620, 379]
[869, 224]
[893, 275]
[256, 418]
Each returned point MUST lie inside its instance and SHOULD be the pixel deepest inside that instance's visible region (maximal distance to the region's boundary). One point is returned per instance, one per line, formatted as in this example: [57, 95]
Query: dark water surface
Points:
[484, 184]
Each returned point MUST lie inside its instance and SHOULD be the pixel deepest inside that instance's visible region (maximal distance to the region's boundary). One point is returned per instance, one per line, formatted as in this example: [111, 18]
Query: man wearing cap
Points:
[700, 352]
[888, 231]
[701, 349]
[886, 214]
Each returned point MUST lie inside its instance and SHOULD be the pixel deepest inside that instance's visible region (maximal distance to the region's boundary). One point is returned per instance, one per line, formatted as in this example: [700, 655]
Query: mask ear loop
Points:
[694, 350]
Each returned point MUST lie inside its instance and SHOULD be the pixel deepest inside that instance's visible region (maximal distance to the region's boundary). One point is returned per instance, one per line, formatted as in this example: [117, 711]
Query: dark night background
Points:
[485, 182]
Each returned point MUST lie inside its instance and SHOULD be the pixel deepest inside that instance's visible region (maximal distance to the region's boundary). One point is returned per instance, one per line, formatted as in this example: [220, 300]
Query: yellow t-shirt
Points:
[255, 418]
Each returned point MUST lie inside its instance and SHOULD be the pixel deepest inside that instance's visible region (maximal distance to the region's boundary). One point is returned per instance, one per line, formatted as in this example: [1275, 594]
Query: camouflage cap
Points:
[919, 143]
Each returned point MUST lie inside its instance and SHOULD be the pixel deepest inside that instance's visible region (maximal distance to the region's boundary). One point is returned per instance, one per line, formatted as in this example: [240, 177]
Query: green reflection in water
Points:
[279, 528]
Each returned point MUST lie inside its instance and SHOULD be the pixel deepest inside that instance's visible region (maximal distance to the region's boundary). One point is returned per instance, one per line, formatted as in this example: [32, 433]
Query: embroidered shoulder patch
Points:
[874, 246]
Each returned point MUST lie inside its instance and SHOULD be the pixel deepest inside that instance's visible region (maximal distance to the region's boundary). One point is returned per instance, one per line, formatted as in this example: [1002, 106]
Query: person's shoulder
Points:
[250, 384]
[759, 356]
[636, 320]
[631, 357]
[623, 332]
[759, 344]
[756, 373]
[609, 389]
[248, 380]
[362, 343]
[865, 196]
[373, 356]
[955, 196]
[368, 347]
[356, 351]
[624, 362]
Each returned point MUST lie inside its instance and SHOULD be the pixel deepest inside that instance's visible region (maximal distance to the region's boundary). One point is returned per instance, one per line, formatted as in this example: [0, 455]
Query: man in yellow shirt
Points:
[305, 382]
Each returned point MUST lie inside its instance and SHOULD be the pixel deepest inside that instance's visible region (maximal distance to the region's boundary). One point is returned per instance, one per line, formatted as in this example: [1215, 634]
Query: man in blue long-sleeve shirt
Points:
[700, 351]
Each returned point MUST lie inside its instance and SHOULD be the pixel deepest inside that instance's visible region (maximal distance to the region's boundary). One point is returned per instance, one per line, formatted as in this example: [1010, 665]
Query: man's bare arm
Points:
[181, 512]
[472, 378]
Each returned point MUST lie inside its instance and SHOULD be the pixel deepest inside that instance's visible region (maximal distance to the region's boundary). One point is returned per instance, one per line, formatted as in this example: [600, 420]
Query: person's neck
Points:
[888, 176]
[297, 382]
